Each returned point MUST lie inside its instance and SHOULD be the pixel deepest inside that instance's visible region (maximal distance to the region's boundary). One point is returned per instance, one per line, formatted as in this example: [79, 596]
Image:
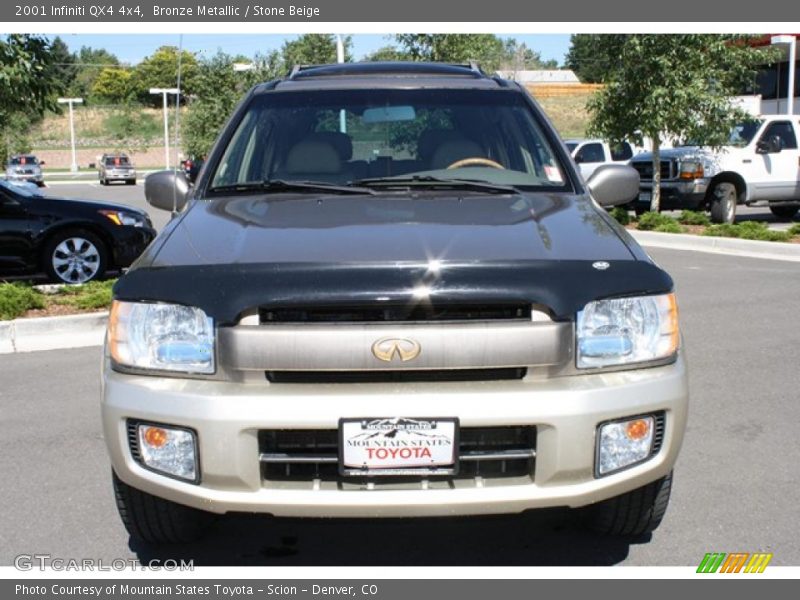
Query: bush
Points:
[652, 221]
[749, 230]
[621, 215]
[794, 229]
[16, 299]
[670, 227]
[691, 217]
[90, 296]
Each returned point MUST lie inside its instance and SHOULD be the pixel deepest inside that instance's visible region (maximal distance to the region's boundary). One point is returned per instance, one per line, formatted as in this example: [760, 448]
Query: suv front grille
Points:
[645, 169]
[297, 458]
[397, 313]
[432, 375]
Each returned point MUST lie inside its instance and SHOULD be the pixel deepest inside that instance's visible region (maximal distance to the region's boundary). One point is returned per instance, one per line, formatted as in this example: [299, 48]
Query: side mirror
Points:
[612, 185]
[42, 163]
[166, 190]
[578, 158]
[771, 145]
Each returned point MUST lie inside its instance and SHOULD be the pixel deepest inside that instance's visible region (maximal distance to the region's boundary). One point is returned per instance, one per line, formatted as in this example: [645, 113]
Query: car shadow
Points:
[539, 538]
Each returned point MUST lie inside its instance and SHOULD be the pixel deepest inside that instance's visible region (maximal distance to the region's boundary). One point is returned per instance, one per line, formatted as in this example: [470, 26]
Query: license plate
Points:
[398, 446]
[645, 197]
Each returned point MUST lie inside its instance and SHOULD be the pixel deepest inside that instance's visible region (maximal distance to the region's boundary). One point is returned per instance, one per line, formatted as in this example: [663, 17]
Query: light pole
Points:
[164, 92]
[74, 166]
[791, 40]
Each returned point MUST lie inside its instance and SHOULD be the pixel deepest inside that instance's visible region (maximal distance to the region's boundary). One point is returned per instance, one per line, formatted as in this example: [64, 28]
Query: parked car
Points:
[761, 163]
[116, 167]
[25, 167]
[428, 314]
[191, 168]
[590, 154]
[72, 241]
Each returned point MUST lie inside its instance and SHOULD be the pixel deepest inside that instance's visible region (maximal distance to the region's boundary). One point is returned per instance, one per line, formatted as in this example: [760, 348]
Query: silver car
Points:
[25, 167]
[116, 167]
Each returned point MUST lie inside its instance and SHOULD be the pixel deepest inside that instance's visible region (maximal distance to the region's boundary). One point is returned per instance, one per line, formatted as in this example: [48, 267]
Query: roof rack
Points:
[387, 68]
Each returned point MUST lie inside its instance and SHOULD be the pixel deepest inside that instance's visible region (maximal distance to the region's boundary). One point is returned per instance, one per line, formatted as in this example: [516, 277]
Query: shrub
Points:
[652, 221]
[90, 296]
[749, 230]
[621, 215]
[691, 217]
[794, 229]
[16, 298]
[670, 227]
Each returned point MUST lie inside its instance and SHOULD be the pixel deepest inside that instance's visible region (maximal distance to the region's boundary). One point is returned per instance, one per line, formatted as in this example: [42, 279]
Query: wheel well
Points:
[91, 228]
[727, 177]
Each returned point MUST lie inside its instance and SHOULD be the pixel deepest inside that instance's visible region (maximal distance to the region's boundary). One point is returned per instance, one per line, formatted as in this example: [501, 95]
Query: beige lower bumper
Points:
[227, 417]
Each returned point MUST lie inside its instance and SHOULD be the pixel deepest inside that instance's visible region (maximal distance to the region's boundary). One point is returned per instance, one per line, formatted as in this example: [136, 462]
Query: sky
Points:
[132, 48]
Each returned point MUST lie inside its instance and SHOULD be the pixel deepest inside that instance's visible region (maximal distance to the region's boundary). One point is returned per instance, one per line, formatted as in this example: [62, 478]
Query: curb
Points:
[52, 333]
[718, 245]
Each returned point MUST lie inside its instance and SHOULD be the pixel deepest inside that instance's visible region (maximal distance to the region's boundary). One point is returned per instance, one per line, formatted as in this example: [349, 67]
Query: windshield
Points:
[346, 136]
[23, 160]
[571, 146]
[113, 161]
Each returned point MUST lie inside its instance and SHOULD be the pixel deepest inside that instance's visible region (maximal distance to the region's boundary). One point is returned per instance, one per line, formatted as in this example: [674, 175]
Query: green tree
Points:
[314, 49]
[62, 70]
[89, 63]
[160, 70]
[27, 84]
[678, 86]
[113, 85]
[518, 57]
[386, 53]
[218, 88]
[486, 49]
[593, 56]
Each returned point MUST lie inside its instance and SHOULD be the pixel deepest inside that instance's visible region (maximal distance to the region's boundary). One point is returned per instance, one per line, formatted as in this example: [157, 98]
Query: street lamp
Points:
[74, 166]
[791, 40]
[164, 92]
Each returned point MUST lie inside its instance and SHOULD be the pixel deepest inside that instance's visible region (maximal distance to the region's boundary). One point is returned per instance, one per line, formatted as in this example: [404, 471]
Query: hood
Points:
[346, 229]
[683, 152]
[230, 255]
[70, 205]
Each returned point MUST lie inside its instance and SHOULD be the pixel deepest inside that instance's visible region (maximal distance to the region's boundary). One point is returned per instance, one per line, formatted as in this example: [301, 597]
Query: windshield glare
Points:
[342, 137]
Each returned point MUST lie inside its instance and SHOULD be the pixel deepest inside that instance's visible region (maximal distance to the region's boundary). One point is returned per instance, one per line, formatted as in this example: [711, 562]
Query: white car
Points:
[590, 154]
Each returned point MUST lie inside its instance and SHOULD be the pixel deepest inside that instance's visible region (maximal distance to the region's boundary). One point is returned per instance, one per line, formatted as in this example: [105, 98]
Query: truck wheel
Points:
[634, 513]
[723, 202]
[784, 213]
[158, 521]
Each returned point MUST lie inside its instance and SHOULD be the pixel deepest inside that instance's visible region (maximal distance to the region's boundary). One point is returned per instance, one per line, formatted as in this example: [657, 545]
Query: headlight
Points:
[119, 217]
[622, 331]
[165, 337]
[691, 170]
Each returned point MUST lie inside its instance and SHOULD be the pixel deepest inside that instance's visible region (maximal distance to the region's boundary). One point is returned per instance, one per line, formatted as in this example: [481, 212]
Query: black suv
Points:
[390, 293]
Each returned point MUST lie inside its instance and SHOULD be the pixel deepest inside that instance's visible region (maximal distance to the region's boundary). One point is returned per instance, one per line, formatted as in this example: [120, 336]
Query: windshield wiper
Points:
[282, 185]
[438, 182]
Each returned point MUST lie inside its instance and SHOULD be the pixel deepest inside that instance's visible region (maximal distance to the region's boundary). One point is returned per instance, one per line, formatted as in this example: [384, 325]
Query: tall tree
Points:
[674, 86]
[89, 62]
[593, 56]
[27, 83]
[314, 49]
[161, 70]
[113, 85]
[62, 68]
[486, 49]
[386, 53]
[518, 57]
[218, 88]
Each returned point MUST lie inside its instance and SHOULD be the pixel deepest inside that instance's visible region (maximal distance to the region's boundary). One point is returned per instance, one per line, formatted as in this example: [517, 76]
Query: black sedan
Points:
[72, 241]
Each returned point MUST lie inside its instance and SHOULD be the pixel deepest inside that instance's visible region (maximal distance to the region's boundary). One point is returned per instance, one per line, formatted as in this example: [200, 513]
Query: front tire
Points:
[157, 521]
[724, 197]
[631, 514]
[784, 213]
[75, 256]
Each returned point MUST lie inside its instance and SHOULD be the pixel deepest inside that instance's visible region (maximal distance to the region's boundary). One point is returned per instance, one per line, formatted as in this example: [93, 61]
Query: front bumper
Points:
[227, 417]
[688, 195]
[129, 242]
[36, 178]
[120, 175]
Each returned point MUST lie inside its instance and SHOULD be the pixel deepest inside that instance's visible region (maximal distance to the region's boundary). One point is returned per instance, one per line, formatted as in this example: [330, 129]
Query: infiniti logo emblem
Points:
[601, 265]
[386, 349]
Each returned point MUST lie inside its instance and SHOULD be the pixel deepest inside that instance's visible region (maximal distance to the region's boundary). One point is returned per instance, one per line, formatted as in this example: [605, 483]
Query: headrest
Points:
[313, 156]
[341, 141]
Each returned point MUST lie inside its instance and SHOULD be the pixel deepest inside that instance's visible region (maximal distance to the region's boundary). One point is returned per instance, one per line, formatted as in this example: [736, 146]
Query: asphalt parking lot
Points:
[735, 487]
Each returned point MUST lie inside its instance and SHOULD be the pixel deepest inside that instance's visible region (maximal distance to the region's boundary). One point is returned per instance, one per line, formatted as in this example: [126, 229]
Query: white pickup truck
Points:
[590, 154]
[761, 163]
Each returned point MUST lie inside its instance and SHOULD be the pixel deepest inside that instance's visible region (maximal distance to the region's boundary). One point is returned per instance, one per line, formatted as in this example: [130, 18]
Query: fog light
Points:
[168, 450]
[624, 443]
